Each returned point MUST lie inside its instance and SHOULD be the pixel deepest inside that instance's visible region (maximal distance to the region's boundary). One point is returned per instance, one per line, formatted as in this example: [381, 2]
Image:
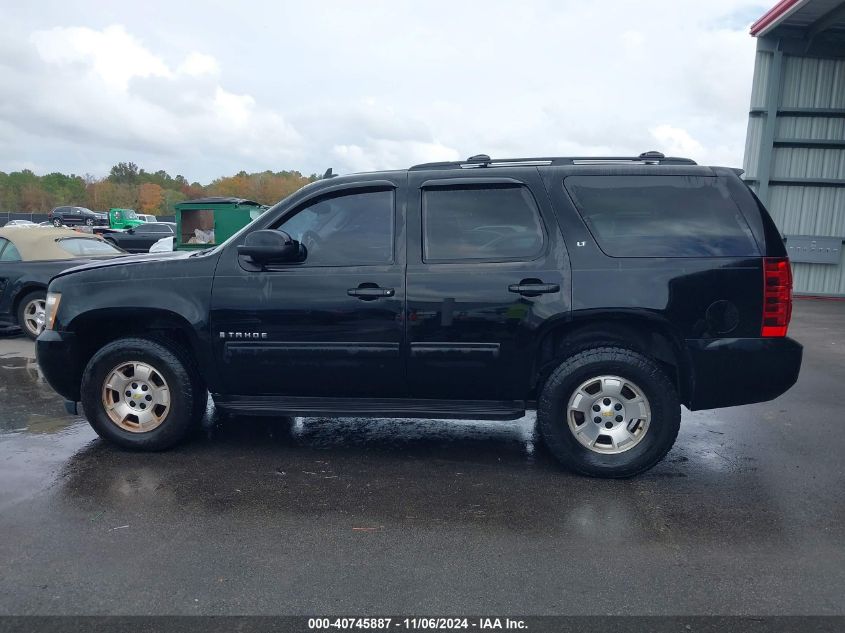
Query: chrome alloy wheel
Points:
[33, 316]
[136, 397]
[608, 414]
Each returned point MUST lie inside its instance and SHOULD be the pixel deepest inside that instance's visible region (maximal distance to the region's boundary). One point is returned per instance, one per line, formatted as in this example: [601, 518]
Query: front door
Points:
[331, 325]
[487, 270]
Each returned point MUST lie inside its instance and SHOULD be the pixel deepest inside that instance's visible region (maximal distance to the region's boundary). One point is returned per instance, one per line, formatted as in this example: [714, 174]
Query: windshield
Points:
[125, 214]
[87, 247]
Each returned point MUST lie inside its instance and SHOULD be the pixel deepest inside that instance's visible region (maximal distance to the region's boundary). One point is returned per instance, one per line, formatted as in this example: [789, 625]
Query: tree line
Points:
[129, 187]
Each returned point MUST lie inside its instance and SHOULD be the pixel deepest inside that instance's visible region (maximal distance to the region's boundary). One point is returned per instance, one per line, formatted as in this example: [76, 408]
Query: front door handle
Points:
[533, 288]
[370, 292]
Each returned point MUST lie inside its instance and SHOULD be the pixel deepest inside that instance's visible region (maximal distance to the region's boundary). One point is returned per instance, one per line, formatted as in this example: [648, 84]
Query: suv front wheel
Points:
[609, 412]
[143, 394]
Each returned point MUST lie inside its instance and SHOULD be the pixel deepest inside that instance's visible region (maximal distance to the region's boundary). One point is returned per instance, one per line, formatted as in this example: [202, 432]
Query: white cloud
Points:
[676, 141]
[112, 54]
[198, 64]
[387, 154]
[371, 85]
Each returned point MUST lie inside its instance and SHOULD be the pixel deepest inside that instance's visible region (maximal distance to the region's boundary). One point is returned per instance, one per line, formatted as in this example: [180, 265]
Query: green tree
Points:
[124, 174]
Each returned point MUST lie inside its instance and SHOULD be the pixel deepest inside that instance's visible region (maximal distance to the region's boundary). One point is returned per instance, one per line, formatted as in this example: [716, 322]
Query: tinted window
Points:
[8, 252]
[662, 216]
[345, 230]
[80, 246]
[489, 222]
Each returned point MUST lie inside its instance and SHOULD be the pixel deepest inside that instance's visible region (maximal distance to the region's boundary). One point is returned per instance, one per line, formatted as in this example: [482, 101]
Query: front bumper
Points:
[59, 359]
[732, 371]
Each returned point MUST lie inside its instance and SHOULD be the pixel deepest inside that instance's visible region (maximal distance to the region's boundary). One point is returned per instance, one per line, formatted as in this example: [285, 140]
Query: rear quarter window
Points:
[662, 216]
[82, 247]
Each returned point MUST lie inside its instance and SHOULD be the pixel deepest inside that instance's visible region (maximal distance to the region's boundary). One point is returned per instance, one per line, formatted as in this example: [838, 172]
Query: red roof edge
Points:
[774, 15]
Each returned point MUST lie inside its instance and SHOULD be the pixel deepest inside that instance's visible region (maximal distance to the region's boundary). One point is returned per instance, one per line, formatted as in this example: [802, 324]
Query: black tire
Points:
[609, 360]
[188, 394]
[35, 295]
[57, 222]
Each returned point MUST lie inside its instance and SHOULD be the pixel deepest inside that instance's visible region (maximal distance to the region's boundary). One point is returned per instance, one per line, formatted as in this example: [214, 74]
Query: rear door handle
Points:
[533, 289]
[368, 293]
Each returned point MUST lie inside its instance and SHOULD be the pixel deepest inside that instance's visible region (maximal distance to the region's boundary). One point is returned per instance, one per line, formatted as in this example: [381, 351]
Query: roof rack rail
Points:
[483, 160]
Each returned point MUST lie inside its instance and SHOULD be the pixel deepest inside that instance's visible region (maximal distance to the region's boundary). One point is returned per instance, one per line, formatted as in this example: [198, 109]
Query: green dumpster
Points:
[207, 222]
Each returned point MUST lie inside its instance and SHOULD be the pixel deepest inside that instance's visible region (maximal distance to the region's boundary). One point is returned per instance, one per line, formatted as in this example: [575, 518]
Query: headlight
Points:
[51, 308]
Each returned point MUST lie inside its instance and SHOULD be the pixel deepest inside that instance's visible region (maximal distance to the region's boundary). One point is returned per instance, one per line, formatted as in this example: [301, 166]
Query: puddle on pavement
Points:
[483, 440]
[431, 472]
[27, 402]
[28, 405]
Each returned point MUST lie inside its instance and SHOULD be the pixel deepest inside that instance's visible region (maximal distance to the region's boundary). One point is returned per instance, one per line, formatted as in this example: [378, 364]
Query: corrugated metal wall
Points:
[805, 145]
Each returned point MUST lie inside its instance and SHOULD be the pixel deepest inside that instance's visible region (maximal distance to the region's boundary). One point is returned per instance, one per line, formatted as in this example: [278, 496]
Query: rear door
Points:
[487, 269]
[73, 215]
[65, 214]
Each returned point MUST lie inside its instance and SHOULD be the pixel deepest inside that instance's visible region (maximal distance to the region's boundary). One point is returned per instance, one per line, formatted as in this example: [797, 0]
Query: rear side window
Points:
[662, 216]
[486, 222]
[154, 227]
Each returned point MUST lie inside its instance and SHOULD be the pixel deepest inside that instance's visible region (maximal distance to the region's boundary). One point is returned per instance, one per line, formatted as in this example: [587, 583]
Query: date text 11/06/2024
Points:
[435, 624]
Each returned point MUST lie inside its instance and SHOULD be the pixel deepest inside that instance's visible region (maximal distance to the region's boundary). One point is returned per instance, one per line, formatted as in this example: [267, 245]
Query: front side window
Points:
[480, 222]
[8, 252]
[662, 216]
[154, 228]
[82, 247]
[354, 229]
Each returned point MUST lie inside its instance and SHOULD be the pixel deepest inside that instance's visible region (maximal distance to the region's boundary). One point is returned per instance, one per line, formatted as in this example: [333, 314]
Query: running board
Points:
[372, 407]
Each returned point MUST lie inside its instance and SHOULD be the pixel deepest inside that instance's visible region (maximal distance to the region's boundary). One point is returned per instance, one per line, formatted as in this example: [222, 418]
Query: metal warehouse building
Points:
[795, 148]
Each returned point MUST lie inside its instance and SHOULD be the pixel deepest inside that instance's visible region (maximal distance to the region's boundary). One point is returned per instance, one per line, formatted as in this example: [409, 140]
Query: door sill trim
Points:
[372, 407]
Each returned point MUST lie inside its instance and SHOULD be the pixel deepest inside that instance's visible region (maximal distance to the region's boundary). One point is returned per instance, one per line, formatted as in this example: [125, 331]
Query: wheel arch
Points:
[23, 290]
[95, 328]
[646, 334]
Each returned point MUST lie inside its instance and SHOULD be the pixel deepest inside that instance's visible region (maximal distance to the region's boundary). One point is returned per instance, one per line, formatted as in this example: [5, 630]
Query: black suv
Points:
[604, 293]
[77, 215]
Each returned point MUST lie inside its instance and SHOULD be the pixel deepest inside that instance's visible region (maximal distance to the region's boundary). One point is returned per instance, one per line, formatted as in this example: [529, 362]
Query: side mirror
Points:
[270, 247]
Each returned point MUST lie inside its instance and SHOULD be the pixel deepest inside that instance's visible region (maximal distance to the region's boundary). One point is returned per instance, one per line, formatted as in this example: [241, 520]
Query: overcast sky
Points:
[209, 88]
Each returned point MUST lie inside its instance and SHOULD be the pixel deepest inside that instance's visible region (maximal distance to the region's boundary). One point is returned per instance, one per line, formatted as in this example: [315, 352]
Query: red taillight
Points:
[777, 296]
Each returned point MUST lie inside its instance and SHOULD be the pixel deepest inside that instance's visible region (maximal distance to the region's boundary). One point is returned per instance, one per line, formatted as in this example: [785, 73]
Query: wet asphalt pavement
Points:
[323, 516]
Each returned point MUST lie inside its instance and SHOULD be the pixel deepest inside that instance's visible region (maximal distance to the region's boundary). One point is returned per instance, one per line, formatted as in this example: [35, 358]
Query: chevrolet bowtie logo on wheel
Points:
[243, 335]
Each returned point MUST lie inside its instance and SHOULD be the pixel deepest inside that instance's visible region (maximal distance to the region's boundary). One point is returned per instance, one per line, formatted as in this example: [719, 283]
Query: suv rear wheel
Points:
[143, 393]
[609, 412]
